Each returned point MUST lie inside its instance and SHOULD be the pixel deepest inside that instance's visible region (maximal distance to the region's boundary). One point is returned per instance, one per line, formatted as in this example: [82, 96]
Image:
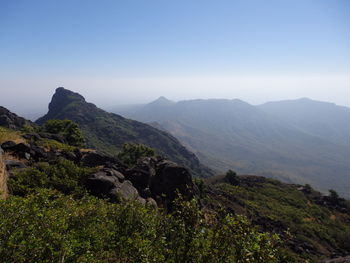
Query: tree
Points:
[69, 129]
[131, 152]
[231, 177]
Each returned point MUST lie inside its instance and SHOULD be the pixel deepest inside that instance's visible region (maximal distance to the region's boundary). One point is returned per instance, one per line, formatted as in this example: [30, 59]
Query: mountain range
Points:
[107, 132]
[299, 141]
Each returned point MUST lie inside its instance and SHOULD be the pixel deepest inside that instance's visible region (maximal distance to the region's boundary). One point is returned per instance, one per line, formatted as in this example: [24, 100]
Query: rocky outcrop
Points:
[152, 180]
[11, 120]
[155, 181]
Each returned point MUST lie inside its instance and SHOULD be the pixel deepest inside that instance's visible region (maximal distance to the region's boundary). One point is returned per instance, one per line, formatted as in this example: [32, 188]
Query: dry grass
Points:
[10, 135]
[3, 178]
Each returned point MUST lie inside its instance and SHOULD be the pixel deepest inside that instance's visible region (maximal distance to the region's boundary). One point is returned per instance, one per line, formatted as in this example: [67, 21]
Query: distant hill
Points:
[108, 132]
[232, 134]
[323, 119]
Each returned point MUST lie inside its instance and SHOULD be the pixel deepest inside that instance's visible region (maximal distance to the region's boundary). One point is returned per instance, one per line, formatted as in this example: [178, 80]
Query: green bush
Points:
[64, 176]
[69, 129]
[131, 152]
[48, 226]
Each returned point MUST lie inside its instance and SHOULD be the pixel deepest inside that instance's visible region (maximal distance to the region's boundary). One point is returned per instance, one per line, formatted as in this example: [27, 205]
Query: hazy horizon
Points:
[116, 53]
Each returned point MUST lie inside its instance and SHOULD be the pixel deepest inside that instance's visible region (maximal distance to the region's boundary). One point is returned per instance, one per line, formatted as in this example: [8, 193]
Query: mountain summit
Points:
[107, 132]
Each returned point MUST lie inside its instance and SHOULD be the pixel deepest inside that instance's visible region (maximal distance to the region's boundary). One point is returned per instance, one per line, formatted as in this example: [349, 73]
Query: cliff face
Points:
[107, 132]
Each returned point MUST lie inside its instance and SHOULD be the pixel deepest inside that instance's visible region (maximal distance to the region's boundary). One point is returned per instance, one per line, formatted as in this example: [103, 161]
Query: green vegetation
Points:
[69, 129]
[9, 135]
[48, 227]
[63, 176]
[55, 145]
[131, 152]
[232, 177]
[294, 214]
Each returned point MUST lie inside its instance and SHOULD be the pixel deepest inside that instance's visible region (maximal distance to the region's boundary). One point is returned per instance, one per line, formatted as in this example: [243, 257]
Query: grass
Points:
[55, 145]
[10, 135]
[3, 179]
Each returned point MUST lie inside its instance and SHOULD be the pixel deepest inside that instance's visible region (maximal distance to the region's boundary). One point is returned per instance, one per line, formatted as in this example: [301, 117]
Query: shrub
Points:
[69, 129]
[231, 177]
[63, 176]
[131, 152]
[48, 226]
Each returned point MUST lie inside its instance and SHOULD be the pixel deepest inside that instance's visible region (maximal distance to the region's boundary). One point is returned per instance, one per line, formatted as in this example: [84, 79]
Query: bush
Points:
[131, 152]
[49, 227]
[231, 177]
[69, 129]
[64, 176]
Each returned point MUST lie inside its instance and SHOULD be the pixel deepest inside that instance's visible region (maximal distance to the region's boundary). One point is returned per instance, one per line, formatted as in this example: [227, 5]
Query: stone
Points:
[7, 145]
[113, 172]
[125, 191]
[100, 184]
[170, 180]
[12, 164]
[93, 159]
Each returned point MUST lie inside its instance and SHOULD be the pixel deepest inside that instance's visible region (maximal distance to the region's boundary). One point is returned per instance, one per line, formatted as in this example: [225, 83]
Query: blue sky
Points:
[208, 48]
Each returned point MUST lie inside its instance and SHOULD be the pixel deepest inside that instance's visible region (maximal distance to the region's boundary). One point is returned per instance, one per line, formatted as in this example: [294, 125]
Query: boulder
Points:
[115, 173]
[171, 179]
[32, 136]
[93, 159]
[101, 184]
[7, 145]
[11, 120]
[124, 191]
[12, 164]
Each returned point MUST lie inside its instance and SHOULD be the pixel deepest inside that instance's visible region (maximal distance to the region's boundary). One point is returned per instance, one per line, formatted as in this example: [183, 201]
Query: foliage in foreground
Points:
[48, 227]
[64, 176]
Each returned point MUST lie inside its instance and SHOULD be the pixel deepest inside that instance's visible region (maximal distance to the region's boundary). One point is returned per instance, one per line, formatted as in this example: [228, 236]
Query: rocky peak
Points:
[11, 120]
[161, 101]
[62, 98]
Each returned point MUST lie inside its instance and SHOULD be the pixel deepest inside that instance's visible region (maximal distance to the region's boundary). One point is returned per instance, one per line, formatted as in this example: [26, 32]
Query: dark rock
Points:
[11, 120]
[8, 144]
[101, 184]
[140, 178]
[93, 159]
[115, 173]
[32, 136]
[171, 179]
[12, 164]
[124, 191]
[70, 156]
[38, 153]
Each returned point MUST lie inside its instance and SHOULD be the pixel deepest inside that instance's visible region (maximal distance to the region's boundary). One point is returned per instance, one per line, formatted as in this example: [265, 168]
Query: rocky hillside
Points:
[107, 132]
[311, 224]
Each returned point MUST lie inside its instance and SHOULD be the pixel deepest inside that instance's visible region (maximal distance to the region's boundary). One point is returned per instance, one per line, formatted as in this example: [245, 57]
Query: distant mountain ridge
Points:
[232, 134]
[108, 132]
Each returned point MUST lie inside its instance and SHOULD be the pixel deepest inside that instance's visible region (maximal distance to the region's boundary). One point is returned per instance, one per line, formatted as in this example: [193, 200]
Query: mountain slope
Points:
[108, 132]
[326, 120]
[231, 134]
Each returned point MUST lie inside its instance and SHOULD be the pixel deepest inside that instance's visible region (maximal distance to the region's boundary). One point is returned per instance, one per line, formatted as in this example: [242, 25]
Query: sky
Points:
[133, 51]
